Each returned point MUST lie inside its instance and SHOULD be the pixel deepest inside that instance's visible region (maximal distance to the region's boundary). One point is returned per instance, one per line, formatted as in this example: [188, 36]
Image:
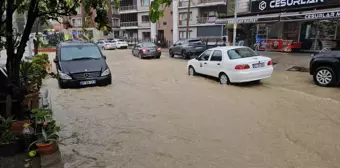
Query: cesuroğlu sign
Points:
[326, 15]
[267, 5]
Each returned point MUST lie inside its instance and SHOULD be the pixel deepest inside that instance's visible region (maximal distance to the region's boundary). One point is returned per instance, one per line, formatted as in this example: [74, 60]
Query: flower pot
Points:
[31, 101]
[47, 149]
[18, 126]
[9, 149]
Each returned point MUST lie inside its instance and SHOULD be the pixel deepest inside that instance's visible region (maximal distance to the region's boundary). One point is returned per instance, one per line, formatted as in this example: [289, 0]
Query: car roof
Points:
[75, 43]
[228, 47]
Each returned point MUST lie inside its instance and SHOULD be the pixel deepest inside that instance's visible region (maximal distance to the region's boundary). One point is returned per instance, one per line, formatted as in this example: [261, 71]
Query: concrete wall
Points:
[139, 18]
[166, 23]
[194, 16]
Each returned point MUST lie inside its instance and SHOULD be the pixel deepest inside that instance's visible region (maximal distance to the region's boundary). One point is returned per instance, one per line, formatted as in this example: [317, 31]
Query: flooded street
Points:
[154, 115]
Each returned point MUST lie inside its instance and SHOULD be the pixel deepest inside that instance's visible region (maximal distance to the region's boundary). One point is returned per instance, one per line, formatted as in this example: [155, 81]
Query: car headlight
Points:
[63, 75]
[106, 72]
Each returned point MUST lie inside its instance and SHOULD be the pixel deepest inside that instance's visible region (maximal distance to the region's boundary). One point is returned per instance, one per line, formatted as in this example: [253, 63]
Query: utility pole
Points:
[188, 18]
[235, 22]
[175, 21]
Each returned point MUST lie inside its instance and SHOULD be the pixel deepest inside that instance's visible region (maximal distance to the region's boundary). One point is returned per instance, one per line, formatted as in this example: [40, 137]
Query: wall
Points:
[140, 33]
[243, 6]
[167, 18]
[194, 16]
[139, 18]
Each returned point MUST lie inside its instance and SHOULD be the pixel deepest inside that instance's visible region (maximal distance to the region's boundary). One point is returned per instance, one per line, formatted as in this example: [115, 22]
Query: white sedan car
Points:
[121, 43]
[232, 64]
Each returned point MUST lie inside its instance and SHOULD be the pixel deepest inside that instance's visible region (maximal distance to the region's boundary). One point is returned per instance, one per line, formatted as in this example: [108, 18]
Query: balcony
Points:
[128, 24]
[127, 8]
[145, 24]
[206, 20]
[115, 23]
[212, 1]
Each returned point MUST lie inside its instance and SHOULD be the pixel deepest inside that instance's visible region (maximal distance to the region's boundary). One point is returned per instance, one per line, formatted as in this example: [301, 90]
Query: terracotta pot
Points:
[31, 101]
[18, 126]
[47, 149]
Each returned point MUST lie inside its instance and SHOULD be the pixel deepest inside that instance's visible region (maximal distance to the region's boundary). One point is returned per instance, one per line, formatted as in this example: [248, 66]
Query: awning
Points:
[284, 17]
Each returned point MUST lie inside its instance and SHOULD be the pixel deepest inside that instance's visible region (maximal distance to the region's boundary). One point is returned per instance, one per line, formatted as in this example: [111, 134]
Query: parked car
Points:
[232, 64]
[146, 49]
[187, 48]
[325, 68]
[106, 44]
[121, 43]
[81, 64]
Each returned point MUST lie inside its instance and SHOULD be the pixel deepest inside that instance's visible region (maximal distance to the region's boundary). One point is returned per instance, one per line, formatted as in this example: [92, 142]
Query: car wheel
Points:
[191, 71]
[224, 79]
[324, 76]
[61, 86]
[140, 55]
[185, 54]
[158, 57]
[171, 53]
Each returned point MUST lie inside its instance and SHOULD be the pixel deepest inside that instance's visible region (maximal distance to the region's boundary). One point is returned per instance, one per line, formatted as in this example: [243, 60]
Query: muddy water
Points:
[154, 115]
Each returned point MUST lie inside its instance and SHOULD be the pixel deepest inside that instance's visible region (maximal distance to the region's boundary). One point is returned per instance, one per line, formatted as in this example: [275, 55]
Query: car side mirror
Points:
[55, 60]
[104, 56]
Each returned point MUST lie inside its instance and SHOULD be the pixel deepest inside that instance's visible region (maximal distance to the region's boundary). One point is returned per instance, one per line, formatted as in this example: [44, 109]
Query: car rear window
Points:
[238, 53]
[149, 45]
[120, 40]
[195, 41]
[68, 53]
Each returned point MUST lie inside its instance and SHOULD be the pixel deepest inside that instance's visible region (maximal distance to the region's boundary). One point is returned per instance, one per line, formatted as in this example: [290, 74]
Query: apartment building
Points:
[203, 14]
[76, 22]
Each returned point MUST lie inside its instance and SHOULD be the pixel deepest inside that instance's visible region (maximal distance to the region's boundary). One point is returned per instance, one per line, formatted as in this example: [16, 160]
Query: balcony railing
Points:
[126, 8]
[212, 1]
[204, 20]
[128, 24]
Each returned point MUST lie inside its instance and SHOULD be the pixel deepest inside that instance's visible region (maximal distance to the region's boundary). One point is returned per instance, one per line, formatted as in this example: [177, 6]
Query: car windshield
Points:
[120, 40]
[149, 45]
[238, 53]
[71, 53]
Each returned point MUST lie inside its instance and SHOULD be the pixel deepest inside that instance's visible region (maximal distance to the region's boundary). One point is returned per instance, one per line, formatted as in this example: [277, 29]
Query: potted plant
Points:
[31, 76]
[47, 139]
[8, 141]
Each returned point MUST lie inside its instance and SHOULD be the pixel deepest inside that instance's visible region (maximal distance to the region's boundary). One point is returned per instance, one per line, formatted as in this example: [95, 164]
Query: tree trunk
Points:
[10, 54]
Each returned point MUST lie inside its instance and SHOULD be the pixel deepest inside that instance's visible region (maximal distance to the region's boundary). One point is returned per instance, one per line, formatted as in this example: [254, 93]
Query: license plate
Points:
[88, 82]
[258, 65]
[152, 50]
[198, 47]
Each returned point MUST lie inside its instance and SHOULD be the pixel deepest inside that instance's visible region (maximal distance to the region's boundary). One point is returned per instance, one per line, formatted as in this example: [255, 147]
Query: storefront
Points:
[306, 30]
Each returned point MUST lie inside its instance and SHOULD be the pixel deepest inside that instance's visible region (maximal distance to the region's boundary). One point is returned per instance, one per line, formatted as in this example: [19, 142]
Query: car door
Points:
[177, 47]
[136, 49]
[203, 62]
[214, 64]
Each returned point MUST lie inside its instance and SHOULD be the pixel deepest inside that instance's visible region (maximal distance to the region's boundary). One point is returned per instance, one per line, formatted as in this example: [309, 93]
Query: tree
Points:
[43, 10]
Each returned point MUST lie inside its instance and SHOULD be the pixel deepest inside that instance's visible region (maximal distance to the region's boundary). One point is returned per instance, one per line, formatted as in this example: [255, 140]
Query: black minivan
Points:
[81, 64]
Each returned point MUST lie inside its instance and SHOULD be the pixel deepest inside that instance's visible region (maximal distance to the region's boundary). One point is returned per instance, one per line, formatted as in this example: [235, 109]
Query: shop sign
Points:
[325, 15]
[270, 5]
[251, 20]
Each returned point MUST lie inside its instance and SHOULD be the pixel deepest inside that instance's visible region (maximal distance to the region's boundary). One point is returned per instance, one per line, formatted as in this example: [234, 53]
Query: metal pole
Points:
[235, 22]
[175, 21]
[153, 29]
[188, 19]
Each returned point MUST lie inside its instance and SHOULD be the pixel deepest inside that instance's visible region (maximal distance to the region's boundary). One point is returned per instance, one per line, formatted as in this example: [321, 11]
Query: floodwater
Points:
[154, 115]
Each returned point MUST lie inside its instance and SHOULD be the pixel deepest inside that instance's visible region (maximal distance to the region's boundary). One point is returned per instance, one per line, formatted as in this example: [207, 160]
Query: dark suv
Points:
[81, 64]
[325, 68]
[187, 48]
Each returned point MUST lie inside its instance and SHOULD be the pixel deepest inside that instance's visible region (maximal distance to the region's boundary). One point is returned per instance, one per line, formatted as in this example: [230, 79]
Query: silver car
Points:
[106, 44]
[188, 47]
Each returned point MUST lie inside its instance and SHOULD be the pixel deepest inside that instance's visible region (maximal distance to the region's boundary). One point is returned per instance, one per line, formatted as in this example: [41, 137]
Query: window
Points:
[183, 16]
[205, 56]
[241, 53]
[77, 22]
[216, 56]
[149, 44]
[145, 18]
[69, 53]
[145, 2]
[183, 34]
[183, 2]
[179, 42]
